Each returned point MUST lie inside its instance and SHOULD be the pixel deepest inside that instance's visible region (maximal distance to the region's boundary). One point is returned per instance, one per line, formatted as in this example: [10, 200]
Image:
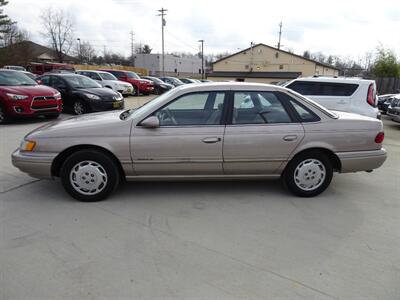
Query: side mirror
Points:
[151, 122]
[39, 81]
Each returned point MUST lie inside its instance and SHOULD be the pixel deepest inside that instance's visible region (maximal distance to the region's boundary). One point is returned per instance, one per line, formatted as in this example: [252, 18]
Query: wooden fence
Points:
[140, 71]
[388, 85]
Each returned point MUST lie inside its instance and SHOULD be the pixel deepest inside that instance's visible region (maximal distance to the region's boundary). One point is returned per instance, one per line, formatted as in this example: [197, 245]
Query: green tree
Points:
[5, 21]
[146, 49]
[386, 64]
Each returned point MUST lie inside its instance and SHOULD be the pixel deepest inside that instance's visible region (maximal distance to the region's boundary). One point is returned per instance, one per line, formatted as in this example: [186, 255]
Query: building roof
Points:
[37, 51]
[280, 50]
[282, 75]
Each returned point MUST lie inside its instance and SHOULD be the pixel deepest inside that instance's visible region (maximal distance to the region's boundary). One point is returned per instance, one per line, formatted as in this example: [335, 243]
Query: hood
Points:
[34, 90]
[97, 124]
[101, 92]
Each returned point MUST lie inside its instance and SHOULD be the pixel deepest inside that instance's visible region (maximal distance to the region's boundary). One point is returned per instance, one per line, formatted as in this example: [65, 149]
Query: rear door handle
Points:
[211, 140]
[290, 138]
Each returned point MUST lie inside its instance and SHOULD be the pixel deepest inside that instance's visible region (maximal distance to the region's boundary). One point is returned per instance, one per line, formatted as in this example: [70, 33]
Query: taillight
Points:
[379, 137]
[370, 96]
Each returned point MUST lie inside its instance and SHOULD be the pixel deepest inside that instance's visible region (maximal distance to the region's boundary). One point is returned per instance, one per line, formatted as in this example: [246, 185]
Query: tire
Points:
[135, 91]
[79, 108]
[4, 118]
[90, 165]
[308, 174]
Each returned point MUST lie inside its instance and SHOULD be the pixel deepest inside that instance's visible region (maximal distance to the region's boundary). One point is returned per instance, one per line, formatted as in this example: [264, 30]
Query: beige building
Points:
[263, 63]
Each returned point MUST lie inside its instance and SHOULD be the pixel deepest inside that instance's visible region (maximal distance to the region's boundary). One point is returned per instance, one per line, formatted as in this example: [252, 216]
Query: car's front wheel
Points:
[3, 115]
[89, 175]
[308, 174]
[79, 108]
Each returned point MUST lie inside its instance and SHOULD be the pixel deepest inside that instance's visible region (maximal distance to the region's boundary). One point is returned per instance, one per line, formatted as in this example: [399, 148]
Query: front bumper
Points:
[98, 106]
[37, 165]
[394, 114]
[361, 160]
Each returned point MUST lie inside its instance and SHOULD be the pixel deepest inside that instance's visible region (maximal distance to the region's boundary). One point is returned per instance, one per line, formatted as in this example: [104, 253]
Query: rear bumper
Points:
[36, 165]
[361, 160]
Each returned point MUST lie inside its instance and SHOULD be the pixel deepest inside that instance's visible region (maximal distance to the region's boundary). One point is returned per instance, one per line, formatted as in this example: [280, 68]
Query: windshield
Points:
[147, 106]
[154, 79]
[132, 75]
[81, 82]
[15, 78]
[315, 104]
[107, 76]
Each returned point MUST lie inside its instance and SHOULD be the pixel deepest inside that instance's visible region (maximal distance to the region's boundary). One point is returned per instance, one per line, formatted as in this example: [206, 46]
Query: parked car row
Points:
[21, 96]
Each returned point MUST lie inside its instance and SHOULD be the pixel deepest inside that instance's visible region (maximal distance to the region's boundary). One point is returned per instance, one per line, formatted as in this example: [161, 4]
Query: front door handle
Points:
[211, 140]
[290, 138]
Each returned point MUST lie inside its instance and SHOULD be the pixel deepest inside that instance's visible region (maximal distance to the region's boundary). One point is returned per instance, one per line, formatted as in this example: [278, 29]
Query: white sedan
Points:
[108, 80]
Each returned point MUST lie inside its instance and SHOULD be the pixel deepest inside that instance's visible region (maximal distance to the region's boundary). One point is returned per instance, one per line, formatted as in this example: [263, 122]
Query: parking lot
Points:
[200, 240]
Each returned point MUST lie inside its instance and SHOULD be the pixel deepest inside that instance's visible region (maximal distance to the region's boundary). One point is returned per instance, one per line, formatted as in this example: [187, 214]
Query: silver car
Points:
[205, 132]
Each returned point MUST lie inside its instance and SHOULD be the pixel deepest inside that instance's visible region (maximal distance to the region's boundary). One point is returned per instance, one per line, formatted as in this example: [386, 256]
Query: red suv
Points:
[140, 85]
[20, 96]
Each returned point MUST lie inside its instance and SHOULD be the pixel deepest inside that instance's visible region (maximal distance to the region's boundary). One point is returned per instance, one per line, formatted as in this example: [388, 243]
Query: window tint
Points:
[193, 109]
[45, 80]
[304, 88]
[309, 88]
[58, 82]
[337, 89]
[258, 108]
[94, 76]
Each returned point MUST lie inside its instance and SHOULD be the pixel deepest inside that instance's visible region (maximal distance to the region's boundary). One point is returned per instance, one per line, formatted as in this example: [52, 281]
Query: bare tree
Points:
[59, 30]
[85, 51]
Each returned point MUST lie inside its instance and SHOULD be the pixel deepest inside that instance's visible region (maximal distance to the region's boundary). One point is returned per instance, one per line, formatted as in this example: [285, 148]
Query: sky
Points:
[346, 28]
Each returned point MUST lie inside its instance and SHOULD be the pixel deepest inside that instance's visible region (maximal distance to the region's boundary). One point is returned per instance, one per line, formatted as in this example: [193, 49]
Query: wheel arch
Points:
[62, 156]
[336, 163]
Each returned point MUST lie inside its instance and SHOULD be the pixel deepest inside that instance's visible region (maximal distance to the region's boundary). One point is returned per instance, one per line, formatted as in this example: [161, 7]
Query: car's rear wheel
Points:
[308, 174]
[79, 108]
[89, 175]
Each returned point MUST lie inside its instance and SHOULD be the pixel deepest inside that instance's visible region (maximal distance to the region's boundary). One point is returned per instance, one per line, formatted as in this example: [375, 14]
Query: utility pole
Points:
[132, 48]
[80, 50]
[280, 35]
[202, 58]
[251, 57]
[163, 23]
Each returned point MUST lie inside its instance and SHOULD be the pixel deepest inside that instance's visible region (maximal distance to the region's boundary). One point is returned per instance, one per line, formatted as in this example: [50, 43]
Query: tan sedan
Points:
[205, 132]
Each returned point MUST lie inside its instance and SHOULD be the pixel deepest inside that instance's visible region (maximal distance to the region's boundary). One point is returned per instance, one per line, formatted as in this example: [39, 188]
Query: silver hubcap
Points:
[88, 177]
[310, 174]
[78, 108]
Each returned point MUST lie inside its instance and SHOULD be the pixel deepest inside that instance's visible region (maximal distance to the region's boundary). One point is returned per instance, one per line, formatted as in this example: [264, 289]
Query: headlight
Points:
[16, 97]
[119, 97]
[91, 96]
[57, 96]
[27, 145]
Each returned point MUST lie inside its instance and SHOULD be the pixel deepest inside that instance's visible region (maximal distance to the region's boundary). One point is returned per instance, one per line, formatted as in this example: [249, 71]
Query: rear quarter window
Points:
[309, 88]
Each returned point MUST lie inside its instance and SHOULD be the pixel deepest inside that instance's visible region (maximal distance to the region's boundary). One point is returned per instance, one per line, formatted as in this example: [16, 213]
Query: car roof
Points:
[245, 86]
[334, 79]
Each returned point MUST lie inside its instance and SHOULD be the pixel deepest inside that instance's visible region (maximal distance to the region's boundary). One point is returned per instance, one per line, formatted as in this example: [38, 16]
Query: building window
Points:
[277, 54]
[246, 67]
[280, 67]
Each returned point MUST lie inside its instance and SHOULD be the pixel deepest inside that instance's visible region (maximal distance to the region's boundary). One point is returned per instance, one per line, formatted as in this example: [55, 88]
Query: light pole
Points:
[202, 58]
[80, 50]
